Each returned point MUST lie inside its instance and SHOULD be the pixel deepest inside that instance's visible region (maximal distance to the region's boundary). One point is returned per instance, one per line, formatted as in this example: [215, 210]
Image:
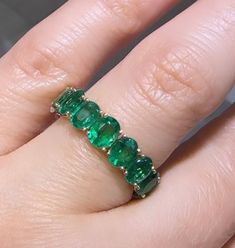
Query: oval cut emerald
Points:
[104, 132]
[139, 170]
[148, 185]
[85, 115]
[68, 101]
[123, 152]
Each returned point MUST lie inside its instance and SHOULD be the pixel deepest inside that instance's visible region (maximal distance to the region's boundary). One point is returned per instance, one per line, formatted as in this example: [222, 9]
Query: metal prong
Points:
[158, 179]
[85, 98]
[124, 171]
[121, 134]
[154, 170]
[104, 149]
[139, 150]
[124, 135]
[57, 115]
[136, 187]
[52, 109]
[142, 155]
[84, 129]
[67, 115]
[103, 113]
[143, 196]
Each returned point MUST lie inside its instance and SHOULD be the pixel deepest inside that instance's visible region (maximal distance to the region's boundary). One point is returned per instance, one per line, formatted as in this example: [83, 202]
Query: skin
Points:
[57, 191]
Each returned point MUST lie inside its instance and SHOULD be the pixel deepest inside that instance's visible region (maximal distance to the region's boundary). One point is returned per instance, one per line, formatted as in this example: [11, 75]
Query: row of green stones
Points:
[104, 132]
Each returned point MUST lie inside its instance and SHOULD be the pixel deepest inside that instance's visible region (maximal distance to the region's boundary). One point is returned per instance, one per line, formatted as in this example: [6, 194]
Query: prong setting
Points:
[136, 187]
[159, 179]
[104, 149]
[143, 196]
[71, 103]
[52, 110]
[154, 170]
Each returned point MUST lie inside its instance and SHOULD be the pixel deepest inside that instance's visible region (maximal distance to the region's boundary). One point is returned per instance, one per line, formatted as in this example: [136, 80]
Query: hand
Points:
[57, 191]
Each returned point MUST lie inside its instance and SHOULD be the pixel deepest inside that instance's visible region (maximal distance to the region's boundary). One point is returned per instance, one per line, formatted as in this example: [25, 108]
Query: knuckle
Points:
[128, 13]
[35, 61]
[174, 80]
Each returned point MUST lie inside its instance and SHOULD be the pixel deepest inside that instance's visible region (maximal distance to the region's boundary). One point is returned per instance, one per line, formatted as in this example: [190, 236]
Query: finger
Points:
[156, 107]
[231, 243]
[194, 205]
[66, 48]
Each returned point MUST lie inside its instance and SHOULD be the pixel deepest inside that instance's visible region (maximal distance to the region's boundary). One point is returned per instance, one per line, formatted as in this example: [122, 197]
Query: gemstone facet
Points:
[123, 152]
[139, 170]
[147, 185]
[67, 101]
[85, 115]
[104, 132]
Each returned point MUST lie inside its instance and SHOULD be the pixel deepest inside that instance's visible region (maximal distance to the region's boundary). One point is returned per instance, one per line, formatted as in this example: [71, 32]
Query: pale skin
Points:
[57, 191]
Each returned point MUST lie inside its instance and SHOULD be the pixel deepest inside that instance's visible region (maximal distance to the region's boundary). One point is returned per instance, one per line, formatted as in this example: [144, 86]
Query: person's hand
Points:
[57, 191]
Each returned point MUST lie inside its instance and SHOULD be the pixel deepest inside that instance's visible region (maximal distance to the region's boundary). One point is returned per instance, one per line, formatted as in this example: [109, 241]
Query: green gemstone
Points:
[139, 170]
[123, 152]
[104, 132]
[85, 115]
[68, 101]
[148, 185]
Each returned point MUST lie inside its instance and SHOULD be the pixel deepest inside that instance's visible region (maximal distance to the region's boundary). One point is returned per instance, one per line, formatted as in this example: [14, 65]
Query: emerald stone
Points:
[68, 100]
[139, 170]
[104, 132]
[148, 184]
[123, 152]
[85, 115]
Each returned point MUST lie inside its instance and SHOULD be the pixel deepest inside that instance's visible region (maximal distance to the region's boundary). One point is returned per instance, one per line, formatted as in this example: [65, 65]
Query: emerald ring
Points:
[104, 132]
